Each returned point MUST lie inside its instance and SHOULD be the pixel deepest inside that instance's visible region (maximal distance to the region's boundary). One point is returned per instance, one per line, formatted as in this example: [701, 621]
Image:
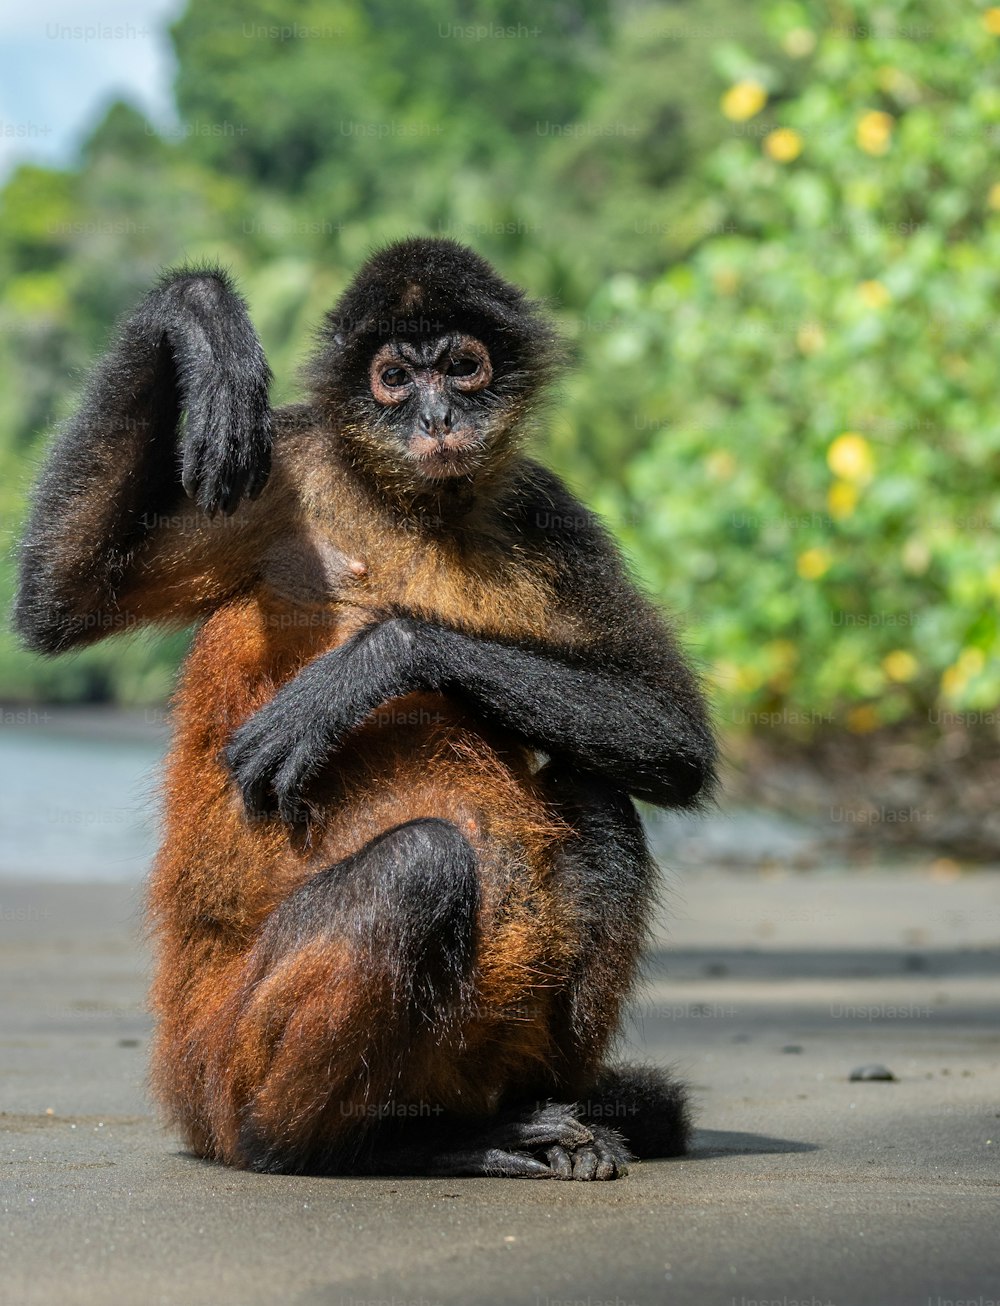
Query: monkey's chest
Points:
[337, 581]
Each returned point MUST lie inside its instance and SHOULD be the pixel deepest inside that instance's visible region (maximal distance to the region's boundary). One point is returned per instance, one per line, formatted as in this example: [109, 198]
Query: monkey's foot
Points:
[547, 1142]
[605, 1157]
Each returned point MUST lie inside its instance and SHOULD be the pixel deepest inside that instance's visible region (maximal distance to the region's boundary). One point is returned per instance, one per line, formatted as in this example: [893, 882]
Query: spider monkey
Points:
[403, 888]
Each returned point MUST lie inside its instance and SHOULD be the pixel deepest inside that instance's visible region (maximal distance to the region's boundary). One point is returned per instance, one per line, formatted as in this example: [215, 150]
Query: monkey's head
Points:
[428, 366]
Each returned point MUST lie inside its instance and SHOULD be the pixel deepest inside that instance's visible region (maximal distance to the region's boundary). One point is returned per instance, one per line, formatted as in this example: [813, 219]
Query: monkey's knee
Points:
[425, 892]
[405, 904]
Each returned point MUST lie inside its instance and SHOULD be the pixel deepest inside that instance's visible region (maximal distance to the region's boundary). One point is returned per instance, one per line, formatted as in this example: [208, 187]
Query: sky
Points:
[62, 62]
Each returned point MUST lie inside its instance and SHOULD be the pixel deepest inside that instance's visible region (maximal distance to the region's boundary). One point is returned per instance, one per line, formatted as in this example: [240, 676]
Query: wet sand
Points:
[765, 990]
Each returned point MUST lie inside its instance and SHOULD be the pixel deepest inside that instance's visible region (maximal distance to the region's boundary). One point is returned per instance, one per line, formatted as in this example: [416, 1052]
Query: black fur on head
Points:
[415, 291]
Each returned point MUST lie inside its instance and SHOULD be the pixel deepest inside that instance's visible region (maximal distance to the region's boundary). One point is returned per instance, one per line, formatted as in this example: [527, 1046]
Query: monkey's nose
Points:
[436, 421]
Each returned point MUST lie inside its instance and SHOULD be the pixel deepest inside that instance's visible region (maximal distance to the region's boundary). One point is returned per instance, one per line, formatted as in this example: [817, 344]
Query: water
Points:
[79, 801]
[78, 794]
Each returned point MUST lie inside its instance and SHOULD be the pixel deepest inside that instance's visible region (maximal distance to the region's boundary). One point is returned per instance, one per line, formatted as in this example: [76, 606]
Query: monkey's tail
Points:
[646, 1105]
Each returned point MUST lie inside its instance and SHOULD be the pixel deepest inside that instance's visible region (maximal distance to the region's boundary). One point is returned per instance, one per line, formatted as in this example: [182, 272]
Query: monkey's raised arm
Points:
[619, 701]
[112, 540]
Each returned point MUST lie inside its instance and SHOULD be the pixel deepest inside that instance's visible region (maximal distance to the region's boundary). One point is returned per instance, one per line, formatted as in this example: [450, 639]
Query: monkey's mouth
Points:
[440, 457]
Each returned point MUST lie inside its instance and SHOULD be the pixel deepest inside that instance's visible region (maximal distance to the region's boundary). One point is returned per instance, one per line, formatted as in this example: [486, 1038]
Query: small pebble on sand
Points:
[873, 1071]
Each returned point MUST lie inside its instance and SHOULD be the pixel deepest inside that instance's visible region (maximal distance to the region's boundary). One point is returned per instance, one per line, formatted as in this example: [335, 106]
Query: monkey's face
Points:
[428, 367]
[435, 403]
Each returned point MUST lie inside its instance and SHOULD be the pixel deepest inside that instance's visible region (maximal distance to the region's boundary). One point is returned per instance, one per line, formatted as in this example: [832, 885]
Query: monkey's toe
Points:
[605, 1157]
[514, 1165]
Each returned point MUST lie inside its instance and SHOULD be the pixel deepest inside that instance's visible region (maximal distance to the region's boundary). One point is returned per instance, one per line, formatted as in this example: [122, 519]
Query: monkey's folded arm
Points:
[655, 745]
[120, 469]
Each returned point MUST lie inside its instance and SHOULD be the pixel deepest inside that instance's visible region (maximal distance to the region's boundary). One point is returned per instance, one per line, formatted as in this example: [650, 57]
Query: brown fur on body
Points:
[457, 927]
[298, 1046]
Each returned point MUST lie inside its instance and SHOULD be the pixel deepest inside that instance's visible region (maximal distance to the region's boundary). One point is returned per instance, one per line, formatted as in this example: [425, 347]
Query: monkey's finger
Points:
[202, 481]
[248, 764]
[259, 477]
[292, 811]
[206, 478]
[230, 485]
[515, 1165]
[257, 454]
[585, 1163]
[609, 1166]
[191, 470]
[259, 795]
[222, 482]
[288, 785]
[560, 1162]
[254, 792]
[222, 498]
[237, 477]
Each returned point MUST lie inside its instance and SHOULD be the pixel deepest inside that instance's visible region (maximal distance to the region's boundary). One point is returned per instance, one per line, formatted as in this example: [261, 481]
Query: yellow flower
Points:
[899, 665]
[748, 679]
[726, 280]
[743, 100]
[874, 132]
[813, 563]
[916, 555]
[842, 499]
[969, 663]
[783, 145]
[993, 198]
[873, 294]
[991, 21]
[810, 338]
[720, 465]
[850, 457]
[862, 720]
[895, 82]
[798, 42]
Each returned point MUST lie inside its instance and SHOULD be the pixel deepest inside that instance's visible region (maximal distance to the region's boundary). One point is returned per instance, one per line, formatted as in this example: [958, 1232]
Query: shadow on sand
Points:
[708, 1143]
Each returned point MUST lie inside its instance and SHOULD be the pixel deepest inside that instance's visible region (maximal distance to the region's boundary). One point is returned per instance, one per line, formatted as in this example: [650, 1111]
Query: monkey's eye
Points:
[395, 376]
[464, 367]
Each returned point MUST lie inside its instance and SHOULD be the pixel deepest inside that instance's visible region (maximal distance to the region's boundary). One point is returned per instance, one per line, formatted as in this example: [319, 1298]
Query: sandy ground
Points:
[765, 990]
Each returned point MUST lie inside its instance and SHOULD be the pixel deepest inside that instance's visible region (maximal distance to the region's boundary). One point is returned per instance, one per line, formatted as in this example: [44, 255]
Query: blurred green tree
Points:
[814, 464]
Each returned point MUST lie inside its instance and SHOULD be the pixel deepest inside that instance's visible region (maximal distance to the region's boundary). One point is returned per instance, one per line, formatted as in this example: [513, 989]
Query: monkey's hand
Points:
[275, 754]
[208, 364]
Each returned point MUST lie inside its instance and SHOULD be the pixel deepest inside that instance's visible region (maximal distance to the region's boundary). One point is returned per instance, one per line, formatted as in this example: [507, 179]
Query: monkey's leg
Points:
[358, 977]
[608, 878]
[354, 998]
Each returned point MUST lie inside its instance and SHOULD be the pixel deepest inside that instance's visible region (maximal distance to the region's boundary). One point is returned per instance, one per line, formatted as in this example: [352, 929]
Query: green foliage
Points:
[347, 99]
[813, 386]
[771, 238]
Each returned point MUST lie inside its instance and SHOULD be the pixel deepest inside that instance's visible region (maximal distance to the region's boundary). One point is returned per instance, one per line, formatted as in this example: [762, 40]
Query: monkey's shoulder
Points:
[541, 506]
[591, 580]
[548, 520]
